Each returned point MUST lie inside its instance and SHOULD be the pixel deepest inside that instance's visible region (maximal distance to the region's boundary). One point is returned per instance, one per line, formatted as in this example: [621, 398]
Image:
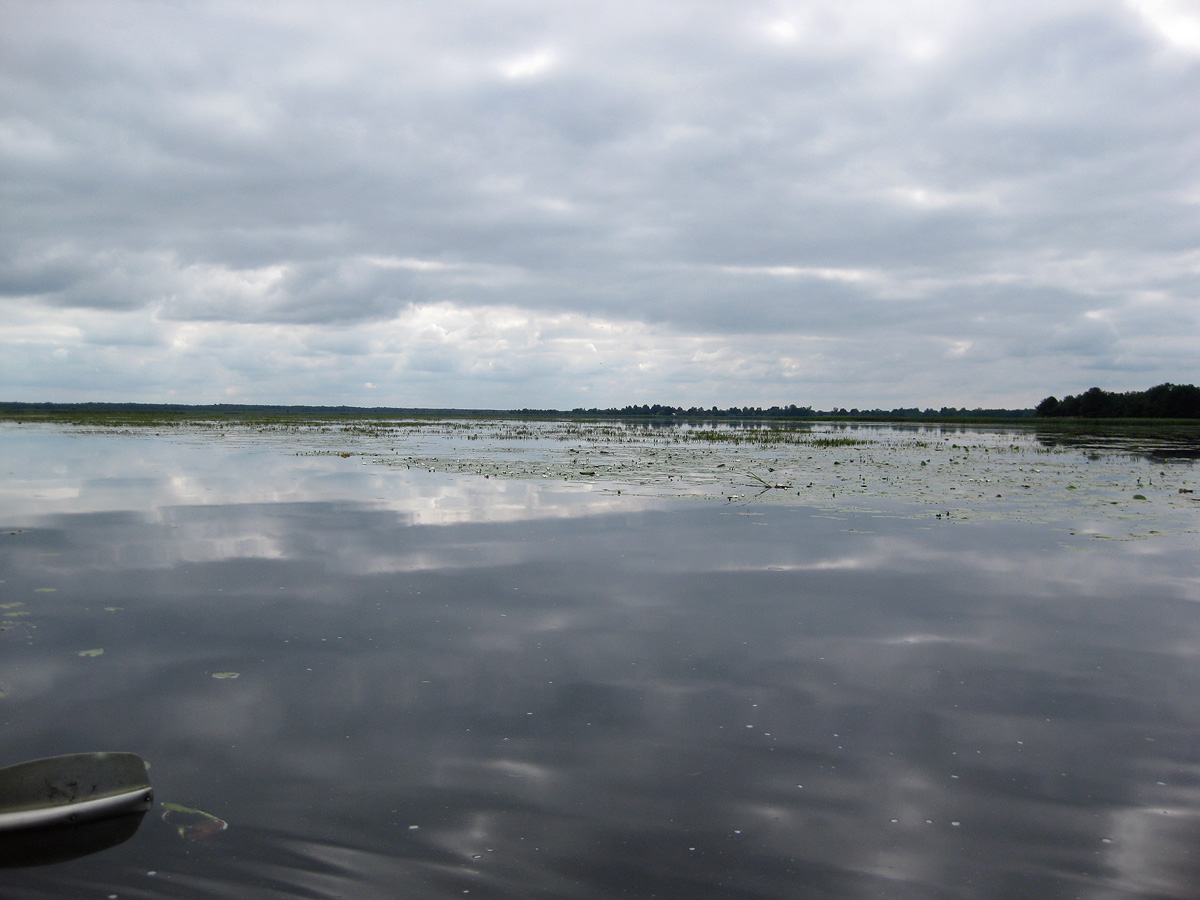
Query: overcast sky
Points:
[554, 204]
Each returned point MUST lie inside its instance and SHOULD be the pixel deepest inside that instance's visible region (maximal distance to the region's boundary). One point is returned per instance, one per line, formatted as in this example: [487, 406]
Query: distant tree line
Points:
[228, 410]
[155, 411]
[1165, 401]
[792, 411]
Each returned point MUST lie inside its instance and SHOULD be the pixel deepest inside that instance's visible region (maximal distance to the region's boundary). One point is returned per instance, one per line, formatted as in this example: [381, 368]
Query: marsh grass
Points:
[766, 437]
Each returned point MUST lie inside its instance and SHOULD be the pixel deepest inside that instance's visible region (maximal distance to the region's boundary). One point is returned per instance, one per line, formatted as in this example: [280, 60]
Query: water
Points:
[450, 685]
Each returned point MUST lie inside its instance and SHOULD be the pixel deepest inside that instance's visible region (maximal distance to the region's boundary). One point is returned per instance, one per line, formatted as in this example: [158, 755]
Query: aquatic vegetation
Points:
[1023, 470]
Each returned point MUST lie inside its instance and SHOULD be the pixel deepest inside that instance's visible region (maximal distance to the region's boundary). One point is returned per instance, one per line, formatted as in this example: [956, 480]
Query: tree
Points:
[1164, 401]
[1048, 407]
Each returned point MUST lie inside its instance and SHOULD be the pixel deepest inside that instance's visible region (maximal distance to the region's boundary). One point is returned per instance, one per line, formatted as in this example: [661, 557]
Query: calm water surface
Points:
[453, 686]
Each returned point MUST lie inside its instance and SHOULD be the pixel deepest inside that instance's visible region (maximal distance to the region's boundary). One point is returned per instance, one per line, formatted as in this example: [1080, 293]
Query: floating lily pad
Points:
[96, 652]
[192, 824]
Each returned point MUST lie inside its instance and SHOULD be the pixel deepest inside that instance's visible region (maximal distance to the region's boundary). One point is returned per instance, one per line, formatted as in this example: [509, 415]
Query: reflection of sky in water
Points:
[585, 695]
[45, 470]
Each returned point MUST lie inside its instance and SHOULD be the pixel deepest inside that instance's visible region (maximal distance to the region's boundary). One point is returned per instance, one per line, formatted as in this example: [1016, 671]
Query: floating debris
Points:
[225, 674]
[96, 652]
[192, 824]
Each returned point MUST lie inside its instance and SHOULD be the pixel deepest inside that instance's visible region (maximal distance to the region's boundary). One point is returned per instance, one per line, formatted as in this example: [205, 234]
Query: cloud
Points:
[860, 174]
[1177, 23]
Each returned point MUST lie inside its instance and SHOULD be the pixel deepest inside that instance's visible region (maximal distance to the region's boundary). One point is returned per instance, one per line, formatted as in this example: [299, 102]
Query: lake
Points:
[502, 659]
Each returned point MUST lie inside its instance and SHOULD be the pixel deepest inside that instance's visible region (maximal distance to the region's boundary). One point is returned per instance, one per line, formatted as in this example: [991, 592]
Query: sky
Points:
[527, 203]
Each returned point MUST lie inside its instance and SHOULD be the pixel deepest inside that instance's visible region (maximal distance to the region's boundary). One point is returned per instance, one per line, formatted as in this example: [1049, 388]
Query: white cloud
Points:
[937, 199]
[852, 276]
[529, 66]
[1175, 21]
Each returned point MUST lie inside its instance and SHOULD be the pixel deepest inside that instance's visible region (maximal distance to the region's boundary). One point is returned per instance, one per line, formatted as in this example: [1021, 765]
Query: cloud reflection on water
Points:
[632, 697]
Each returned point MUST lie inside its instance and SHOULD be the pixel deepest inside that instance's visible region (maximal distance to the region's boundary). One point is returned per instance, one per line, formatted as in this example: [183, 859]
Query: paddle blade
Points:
[72, 790]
